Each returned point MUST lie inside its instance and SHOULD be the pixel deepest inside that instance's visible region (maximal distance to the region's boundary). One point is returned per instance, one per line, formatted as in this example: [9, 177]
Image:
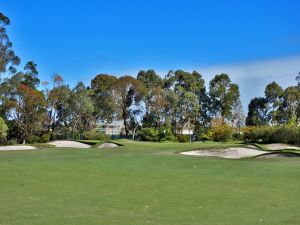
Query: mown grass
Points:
[146, 183]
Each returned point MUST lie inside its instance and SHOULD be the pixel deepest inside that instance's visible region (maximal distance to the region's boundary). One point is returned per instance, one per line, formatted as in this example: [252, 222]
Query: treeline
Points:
[151, 107]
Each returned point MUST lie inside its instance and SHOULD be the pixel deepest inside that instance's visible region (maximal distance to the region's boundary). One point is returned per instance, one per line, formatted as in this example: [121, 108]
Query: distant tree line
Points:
[35, 111]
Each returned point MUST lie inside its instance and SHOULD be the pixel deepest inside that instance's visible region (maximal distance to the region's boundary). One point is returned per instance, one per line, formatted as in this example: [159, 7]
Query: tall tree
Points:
[290, 109]
[187, 109]
[274, 96]
[152, 97]
[59, 107]
[102, 96]
[126, 93]
[224, 95]
[30, 112]
[8, 59]
[257, 112]
[82, 109]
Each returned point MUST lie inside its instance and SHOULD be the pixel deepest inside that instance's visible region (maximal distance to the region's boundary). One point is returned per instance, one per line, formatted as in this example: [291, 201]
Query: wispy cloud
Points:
[252, 77]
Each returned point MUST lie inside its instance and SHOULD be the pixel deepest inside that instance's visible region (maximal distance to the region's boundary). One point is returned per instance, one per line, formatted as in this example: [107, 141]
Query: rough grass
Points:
[146, 183]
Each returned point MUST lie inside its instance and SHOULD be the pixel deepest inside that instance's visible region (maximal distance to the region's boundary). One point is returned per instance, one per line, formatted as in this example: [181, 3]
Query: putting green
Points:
[146, 183]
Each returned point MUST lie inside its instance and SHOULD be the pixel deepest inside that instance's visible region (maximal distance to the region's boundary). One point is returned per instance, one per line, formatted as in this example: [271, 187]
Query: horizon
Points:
[124, 37]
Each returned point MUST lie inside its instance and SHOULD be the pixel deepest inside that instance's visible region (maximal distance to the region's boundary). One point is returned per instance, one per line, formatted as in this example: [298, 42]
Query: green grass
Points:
[146, 183]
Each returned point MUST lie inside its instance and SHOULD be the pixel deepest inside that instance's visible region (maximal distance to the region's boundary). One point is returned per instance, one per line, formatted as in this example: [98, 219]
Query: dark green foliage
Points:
[45, 138]
[95, 135]
[289, 134]
[257, 112]
[148, 134]
[156, 134]
[183, 137]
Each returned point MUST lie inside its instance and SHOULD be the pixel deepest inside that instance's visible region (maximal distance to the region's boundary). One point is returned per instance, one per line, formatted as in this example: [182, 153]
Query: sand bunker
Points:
[282, 147]
[230, 153]
[16, 147]
[108, 145]
[69, 144]
[278, 155]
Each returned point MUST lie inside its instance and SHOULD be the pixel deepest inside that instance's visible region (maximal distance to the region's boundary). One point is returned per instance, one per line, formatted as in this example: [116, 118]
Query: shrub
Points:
[32, 139]
[222, 133]
[3, 130]
[183, 137]
[166, 134]
[149, 134]
[95, 135]
[45, 138]
[156, 134]
[289, 134]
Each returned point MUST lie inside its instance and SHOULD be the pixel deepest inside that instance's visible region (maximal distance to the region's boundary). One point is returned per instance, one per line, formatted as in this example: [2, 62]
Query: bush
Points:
[3, 130]
[32, 139]
[45, 138]
[149, 134]
[222, 133]
[289, 134]
[95, 135]
[156, 134]
[183, 137]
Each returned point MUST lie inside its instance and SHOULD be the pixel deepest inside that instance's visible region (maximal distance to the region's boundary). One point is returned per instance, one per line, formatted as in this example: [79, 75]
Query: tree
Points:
[181, 86]
[102, 96]
[298, 80]
[126, 93]
[82, 110]
[290, 109]
[152, 97]
[3, 130]
[257, 112]
[238, 117]
[224, 95]
[8, 59]
[58, 104]
[274, 96]
[31, 75]
[187, 109]
[30, 112]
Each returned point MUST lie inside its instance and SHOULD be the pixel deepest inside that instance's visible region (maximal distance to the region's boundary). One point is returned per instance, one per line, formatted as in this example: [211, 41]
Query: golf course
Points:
[146, 183]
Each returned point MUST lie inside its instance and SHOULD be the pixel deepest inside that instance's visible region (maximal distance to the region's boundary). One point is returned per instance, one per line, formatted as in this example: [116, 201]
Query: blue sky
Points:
[255, 42]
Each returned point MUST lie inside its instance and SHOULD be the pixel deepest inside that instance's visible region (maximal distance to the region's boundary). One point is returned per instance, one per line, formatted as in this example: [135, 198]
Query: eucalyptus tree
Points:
[8, 59]
[274, 95]
[153, 97]
[81, 116]
[102, 97]
[224, 95]
[257, 112]
[127, 92]
[290, 109]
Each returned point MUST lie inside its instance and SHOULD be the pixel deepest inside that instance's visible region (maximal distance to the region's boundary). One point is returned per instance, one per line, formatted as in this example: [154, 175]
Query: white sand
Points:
[281, 147]
[16, 147]
[230, 153]
[69, 144]
[108, 145]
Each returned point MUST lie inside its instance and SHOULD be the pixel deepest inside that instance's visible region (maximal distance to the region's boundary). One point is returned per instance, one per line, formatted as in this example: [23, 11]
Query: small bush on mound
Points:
[149, 134]
[33, 139]
[289, 134]
[222, 133]
[183, 137]
[95, 135]
[156, 134]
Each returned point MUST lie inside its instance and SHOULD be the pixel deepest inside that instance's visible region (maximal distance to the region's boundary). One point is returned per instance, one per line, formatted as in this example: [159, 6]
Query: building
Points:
[114, 128]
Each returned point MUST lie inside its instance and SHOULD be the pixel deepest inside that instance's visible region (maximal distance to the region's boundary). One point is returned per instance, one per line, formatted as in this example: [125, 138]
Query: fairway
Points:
[146, 183]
